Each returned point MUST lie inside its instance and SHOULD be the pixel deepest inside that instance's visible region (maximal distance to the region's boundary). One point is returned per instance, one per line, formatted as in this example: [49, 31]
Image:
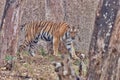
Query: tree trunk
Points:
[111, 66]
[99, 55]
[9, 32]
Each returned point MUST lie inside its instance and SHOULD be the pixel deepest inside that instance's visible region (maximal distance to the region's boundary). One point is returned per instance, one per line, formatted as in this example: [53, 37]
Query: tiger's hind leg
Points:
[20, 50]
[31, 50]
[32, 47]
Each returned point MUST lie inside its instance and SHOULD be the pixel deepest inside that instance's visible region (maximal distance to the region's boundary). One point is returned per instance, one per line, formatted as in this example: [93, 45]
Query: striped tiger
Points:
[49, 31]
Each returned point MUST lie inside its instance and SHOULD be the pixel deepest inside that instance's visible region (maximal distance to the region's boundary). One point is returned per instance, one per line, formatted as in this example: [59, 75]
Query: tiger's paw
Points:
[56, 55]
[32, 54]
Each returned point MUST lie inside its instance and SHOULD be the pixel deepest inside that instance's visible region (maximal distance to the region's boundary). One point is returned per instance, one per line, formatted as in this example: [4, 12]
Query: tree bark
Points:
[9, 33]
[111, 67]
[99, 55]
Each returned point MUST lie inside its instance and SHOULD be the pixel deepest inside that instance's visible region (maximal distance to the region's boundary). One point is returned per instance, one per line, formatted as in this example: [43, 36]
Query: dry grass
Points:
[35, 68]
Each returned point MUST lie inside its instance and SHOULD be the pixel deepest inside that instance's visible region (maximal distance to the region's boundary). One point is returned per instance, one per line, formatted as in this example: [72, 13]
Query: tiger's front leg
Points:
[73, 54]
[55, 45]
[69, 46]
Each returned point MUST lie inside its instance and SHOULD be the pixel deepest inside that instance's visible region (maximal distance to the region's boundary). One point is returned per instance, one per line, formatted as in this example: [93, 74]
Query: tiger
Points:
[49, 31]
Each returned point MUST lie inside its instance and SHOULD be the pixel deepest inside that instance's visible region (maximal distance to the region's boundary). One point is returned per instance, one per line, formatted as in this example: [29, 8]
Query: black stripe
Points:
[42, 36]
[45, 37]
[36, 40]
[68, 43]
[66, 35]
[50, 38]
[69, 49]
[32, 46]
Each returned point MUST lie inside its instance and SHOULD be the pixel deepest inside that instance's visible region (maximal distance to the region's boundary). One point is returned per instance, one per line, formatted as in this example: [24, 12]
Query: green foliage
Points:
[76, 62]
[84, 66]
[9, 58]
[59, 53]
[24, 53]
[42, 52]
[51, 58]
[26, 65]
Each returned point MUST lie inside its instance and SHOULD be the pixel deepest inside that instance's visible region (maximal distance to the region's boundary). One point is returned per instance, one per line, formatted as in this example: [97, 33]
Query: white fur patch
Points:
[83, 55]
[33, 54]
[75, 30]
[65, 72]
[58, 65]
[68, 46]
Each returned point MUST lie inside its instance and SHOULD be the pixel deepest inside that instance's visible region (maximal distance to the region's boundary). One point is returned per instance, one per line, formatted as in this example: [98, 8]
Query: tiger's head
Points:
[73, 32]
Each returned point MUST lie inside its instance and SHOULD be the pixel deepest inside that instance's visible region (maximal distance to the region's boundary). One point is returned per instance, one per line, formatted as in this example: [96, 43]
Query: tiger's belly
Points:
[46, 36]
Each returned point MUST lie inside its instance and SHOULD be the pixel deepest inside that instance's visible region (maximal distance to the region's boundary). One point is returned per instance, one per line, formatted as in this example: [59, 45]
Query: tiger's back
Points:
[45, 27]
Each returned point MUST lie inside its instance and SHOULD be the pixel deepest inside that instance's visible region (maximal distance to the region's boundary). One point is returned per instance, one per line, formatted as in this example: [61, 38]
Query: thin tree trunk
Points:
[98, 52]
[9, 32]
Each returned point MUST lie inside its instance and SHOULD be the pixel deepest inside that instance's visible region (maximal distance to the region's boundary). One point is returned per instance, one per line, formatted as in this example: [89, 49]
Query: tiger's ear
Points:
[69, 28]
[77, 28]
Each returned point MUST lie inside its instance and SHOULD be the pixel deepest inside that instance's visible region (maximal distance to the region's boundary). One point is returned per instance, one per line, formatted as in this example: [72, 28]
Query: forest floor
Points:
[32, 68]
